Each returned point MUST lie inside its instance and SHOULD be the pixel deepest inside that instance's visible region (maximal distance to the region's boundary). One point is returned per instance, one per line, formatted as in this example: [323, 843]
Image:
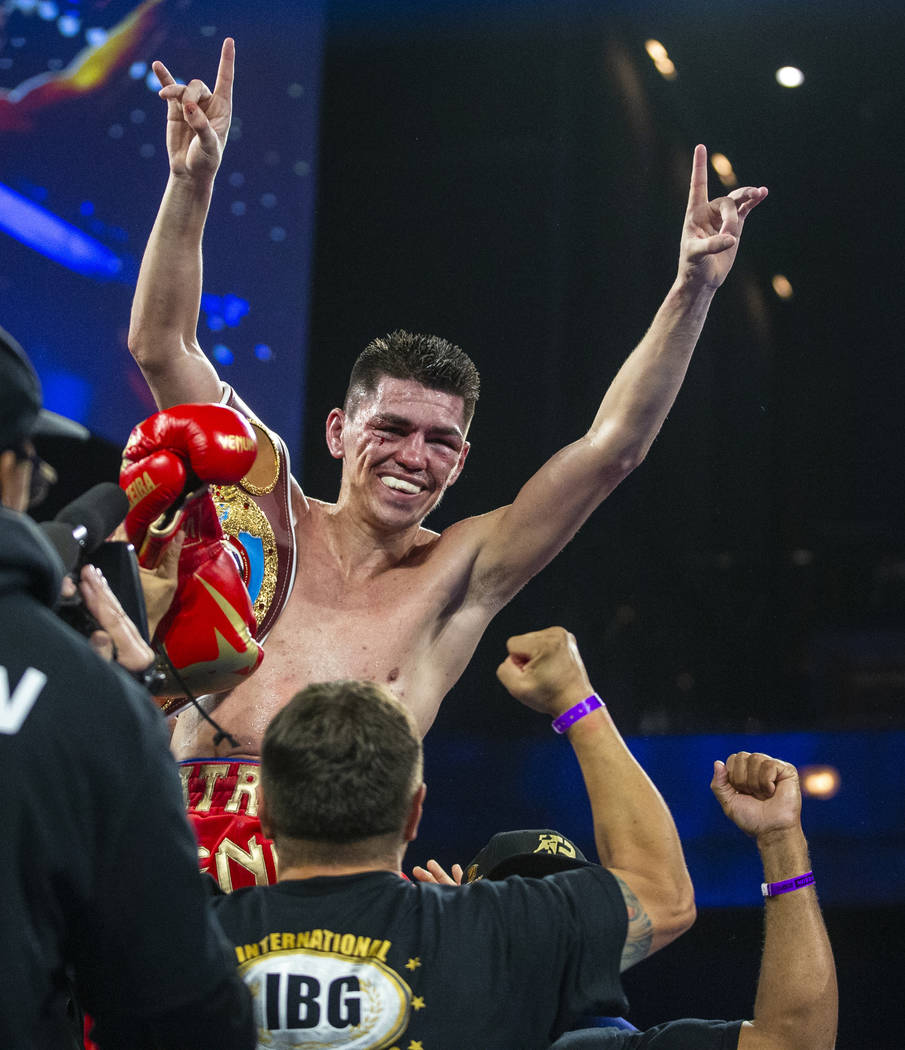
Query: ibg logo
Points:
[307, 999]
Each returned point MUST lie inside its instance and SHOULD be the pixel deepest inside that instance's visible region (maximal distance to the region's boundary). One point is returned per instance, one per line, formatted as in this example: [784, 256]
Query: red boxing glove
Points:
[208, 632]
[172, 451]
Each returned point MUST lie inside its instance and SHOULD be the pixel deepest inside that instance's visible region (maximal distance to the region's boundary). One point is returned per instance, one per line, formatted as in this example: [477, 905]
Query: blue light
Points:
[222, 354]
[68, 24]
[223, 310]
[68, 394]
[263, 352]
[58, 240]
[86, 208]
[48, 10]
[139, 69]
[234, 309]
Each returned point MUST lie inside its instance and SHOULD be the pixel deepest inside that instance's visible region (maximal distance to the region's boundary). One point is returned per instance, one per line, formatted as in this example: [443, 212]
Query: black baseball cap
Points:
[533, 853]
[21, 414]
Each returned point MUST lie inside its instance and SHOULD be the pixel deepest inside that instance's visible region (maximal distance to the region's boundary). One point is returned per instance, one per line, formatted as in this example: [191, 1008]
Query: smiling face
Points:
[402, 446]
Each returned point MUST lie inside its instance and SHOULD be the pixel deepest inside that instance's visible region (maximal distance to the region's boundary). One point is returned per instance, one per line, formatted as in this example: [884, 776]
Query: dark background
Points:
[513, 176]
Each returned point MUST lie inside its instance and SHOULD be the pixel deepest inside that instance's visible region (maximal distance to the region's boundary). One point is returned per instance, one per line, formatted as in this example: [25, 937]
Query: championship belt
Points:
[257, 520]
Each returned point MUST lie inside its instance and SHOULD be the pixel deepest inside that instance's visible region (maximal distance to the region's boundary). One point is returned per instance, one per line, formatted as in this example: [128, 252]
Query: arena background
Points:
[512, 175]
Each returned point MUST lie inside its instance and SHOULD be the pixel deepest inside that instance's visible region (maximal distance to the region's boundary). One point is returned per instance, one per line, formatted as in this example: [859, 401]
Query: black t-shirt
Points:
[98, 867]
[361, 960]
[687, 1034]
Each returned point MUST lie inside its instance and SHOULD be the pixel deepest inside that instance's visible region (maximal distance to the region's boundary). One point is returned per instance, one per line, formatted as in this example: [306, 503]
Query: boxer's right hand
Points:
[544, 671]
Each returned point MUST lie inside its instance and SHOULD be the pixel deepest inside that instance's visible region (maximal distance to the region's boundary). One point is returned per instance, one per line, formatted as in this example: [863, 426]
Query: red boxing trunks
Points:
[221, 800]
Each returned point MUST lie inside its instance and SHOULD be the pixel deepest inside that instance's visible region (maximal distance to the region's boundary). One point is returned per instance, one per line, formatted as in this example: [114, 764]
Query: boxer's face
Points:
[402, 447]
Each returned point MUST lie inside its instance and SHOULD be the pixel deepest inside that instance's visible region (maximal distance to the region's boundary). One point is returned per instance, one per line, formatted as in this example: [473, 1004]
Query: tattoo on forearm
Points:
[640, 931]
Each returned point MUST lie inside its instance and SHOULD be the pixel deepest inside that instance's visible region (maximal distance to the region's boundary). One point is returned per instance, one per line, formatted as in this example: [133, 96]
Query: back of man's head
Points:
[425, 359]
[340, 763]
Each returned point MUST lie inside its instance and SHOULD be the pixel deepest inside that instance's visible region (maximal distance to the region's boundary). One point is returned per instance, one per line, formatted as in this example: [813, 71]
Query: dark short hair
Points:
[427, 359]
[340, 763]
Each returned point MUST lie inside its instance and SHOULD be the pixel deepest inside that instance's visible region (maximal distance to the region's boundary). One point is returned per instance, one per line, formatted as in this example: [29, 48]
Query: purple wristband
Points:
[583, 707]
[773, 889]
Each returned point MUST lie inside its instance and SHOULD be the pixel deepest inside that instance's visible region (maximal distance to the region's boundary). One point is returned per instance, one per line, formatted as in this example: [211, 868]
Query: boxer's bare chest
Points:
[398, 624]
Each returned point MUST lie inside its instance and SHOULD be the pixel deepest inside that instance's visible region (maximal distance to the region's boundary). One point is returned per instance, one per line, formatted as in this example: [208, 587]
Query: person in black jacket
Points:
[98, 867]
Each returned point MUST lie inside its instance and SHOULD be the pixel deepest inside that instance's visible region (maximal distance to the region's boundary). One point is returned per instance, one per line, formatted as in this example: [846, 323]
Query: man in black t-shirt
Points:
[342, 952]
[796, 1005]
[98, 870]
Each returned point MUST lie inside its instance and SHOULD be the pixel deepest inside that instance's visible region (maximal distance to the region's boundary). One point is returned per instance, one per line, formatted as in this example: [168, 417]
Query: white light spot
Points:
[277, 233]
[48, 10]
[68, 25]
[789, 77]
[96, 36]
[138, 69]
[301, 167]
[115, 131]
[237, 207]
[268, 200]
[237, 179]
[147, 149]
[295, 90]
[820, 781]
[208, 30]
[138, 116]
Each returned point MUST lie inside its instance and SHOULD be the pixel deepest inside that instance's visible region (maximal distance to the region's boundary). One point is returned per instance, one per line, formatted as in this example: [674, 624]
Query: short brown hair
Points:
[340, 763]
[427, 359]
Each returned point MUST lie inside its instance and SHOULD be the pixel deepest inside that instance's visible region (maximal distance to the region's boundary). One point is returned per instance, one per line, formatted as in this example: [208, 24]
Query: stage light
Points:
[782, 286]
[819, 781]
[789, 77]
[723, 167]
[660, 58]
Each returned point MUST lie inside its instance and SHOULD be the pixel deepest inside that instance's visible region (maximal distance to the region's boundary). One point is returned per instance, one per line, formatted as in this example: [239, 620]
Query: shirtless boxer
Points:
[376, 595]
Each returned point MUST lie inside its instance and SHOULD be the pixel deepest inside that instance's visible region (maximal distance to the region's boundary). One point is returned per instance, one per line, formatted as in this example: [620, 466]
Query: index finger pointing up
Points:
[697, 193]
[163, 74]
[226, 70]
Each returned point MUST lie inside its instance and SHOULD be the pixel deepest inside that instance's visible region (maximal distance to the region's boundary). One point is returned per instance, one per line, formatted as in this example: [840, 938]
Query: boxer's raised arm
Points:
[162, 332]
[516, 541]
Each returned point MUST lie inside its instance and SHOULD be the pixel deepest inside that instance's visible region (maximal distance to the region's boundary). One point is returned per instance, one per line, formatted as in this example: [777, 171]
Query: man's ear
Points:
[13, 493]
[414, 817]
[336, 421]
[457, 469]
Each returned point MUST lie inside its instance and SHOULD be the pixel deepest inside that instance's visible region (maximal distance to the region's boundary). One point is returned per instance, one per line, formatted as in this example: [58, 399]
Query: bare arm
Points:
[797, 999]
[519, 540]
[162, 333]
[633, 829]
